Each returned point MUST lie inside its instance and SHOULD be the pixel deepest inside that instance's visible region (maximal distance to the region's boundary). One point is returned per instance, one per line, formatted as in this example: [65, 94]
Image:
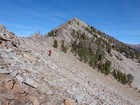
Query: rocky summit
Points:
[74, 64]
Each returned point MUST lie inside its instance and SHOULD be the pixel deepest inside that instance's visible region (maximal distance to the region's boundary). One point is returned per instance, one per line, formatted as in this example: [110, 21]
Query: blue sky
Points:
[118, 18]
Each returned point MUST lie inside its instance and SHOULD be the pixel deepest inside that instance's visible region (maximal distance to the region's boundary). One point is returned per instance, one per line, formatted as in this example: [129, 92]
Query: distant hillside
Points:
[135, 46]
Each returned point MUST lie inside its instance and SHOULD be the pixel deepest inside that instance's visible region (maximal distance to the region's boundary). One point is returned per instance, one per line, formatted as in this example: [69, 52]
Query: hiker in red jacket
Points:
[49, 53]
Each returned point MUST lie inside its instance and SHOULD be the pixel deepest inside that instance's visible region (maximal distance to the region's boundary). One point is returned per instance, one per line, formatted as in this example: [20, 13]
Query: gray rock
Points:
[19, 78]
[2, 71]
[14, 74]
[30, 82]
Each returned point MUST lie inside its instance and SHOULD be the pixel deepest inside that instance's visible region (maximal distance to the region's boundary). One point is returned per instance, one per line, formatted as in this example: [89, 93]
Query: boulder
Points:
[19, 78]
[14, 74]
[30, 82]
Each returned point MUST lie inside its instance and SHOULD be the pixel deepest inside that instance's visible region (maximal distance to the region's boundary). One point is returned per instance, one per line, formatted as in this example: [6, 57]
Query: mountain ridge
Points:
[135, 46]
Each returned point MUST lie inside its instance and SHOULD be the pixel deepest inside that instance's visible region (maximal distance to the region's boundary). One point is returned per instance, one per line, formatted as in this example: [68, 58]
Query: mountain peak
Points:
[64, 31]
[75, 19]
[5, 34]
[2, 28]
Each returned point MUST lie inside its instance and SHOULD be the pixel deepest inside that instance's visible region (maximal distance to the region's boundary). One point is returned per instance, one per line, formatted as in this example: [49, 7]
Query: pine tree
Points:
[55, 45]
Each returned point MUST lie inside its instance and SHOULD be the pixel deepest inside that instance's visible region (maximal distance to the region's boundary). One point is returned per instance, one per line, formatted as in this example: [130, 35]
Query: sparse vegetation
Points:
[64, 47]
[91, 30]
[52, 33]
[86, 54]
[130, 78]
[105, 67]
[122, 77]
[93, 50]
[116, 45]
[95, 58]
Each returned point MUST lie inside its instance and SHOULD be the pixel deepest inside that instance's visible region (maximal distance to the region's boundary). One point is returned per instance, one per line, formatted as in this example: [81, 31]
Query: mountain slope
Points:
[29, 76]
[100, 51]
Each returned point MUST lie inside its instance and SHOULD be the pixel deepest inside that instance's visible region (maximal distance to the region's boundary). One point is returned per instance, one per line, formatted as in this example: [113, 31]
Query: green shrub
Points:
[55, 45]
[99, 55]
[69, 22]
[105, 67]
[83, 54]
[122, 77]
[77, 23]
[52, 33]
[114, 74]
[73, 33]
[130, 78]
[64, 48]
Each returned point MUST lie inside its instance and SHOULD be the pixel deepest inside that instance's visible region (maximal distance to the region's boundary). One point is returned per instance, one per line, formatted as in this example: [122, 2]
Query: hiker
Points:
[49, 53]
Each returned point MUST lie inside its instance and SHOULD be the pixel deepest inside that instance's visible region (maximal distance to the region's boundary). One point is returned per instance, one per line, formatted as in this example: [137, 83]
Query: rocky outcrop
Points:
[7, 38]
[12, 92]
